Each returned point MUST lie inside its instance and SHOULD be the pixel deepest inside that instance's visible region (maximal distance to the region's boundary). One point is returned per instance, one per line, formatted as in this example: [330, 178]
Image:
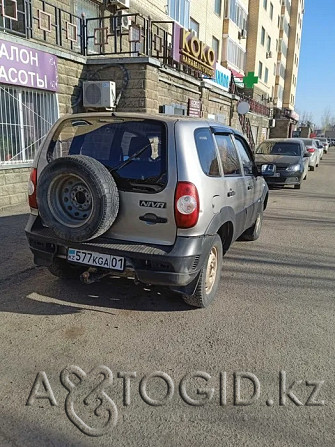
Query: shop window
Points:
[179, 10]
[26, 115]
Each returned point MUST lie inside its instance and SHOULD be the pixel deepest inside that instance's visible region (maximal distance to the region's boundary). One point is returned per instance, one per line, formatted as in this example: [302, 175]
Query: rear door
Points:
[147, 185]
[233, 181]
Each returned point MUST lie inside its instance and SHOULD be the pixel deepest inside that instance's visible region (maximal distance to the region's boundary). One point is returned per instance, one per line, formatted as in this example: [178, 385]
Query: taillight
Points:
[310, 149]
[32, 189]
[186, 205]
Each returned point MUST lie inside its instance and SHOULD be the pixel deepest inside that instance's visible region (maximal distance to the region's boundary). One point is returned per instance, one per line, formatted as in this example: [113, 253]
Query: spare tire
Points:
[77, 198]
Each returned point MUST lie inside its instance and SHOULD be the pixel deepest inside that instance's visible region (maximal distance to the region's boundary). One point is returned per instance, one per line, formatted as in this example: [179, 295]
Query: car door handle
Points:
[152, 218]
[250, 187]
[231, 193]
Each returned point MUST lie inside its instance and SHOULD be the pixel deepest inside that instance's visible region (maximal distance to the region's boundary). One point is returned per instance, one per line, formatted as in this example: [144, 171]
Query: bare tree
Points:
[327, 119]
[305, 118]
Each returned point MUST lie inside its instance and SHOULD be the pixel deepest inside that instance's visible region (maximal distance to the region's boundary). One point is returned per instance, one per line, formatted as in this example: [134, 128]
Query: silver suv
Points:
[154, 197]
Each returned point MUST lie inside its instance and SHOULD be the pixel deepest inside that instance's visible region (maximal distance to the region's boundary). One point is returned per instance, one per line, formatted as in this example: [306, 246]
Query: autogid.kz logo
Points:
[89, 407]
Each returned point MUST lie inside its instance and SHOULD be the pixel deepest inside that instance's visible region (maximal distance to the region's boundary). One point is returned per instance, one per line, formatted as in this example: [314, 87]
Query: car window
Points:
[133, 150]
[207, 152]
[247, 161]
[279, 148]
[228, 154]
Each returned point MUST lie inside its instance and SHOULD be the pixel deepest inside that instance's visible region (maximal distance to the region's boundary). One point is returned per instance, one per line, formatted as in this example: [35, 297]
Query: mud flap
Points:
[189, 289]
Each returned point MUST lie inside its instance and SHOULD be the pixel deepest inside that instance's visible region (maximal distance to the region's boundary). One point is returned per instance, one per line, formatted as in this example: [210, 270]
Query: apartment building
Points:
[273, 48]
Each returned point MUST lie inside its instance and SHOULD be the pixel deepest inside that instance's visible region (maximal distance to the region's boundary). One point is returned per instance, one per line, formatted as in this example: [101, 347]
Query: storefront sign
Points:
[194, 108]
[222, 78]
[189, 50]
[26, 67]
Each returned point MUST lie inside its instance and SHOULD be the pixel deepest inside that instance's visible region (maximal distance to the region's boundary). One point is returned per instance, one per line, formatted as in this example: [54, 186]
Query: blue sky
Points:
[316, 76]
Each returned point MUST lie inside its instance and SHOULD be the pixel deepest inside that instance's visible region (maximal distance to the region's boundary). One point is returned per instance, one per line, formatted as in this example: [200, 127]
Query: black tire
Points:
[62, 269]
[312, 168]
[253, 233]
[305, 178]
[297, 186]
[204, 297]
[77, 198]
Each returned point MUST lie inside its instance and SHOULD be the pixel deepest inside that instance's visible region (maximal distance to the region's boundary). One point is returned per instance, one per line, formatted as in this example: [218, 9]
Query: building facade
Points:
[163, 56]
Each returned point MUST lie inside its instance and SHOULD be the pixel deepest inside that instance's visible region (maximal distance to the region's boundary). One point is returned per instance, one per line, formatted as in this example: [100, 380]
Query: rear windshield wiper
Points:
[131, 158]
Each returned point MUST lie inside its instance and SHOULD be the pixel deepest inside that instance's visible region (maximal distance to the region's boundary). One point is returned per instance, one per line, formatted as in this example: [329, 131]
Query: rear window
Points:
[278, 148]
[134, 151]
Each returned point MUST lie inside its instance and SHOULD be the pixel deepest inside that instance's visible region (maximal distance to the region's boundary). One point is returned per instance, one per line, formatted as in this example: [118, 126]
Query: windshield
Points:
[279, 148]
[134, 151]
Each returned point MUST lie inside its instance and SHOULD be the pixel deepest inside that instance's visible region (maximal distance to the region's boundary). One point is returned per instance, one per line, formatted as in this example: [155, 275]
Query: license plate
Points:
[96, 259]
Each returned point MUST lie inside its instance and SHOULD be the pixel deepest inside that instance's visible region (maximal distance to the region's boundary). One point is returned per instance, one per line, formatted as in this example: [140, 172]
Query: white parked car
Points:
[311, 147]
[325, 143]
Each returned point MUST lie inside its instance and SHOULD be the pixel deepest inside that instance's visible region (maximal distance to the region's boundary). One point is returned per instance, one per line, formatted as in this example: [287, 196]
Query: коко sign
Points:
[189, 50]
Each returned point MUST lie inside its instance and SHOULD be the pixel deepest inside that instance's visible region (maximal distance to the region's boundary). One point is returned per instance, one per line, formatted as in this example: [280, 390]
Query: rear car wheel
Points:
[77, 198]
[209, 278]
[312, 168]
[297, 186]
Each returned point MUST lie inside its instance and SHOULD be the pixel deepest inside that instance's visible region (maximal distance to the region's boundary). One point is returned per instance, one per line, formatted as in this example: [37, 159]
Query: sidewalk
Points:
[15, 210]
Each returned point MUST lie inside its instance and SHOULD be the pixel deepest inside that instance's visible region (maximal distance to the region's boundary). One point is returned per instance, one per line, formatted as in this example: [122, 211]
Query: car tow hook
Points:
[92, 275]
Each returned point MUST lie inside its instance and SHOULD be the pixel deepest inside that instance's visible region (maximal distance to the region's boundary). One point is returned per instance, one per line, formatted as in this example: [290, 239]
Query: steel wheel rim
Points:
[211, 270]
[70, 200]
[258, 224]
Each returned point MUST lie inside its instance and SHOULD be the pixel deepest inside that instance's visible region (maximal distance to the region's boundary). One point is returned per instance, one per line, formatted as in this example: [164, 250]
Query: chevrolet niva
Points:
[153, 197]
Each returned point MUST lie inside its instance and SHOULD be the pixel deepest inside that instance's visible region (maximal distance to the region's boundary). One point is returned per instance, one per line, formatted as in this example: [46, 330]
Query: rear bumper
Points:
[174, 266]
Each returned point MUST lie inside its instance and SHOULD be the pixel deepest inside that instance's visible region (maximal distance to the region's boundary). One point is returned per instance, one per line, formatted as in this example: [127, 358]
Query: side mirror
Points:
[268, 170]
[307, 154]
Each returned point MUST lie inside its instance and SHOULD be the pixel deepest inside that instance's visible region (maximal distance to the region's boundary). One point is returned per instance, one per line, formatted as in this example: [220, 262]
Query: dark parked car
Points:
[290, 158]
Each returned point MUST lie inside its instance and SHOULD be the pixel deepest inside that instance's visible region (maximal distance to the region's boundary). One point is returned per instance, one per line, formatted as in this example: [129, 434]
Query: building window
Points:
[26, 115]
[266, 75]
[235, 55]
[216, 46]
[271, 11]
[91, 11]
[265, 4]
[262, 36]
[217, 7]
[194, 27]
[14, 16]
[237, 14]
[268, 44]
[260, 69]
[179, 10]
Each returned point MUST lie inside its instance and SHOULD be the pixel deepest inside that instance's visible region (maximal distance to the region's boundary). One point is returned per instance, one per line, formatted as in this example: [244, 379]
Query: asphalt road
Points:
[274, 318]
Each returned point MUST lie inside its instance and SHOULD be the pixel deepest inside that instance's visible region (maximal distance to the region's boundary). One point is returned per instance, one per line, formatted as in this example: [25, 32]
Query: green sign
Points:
[250, 79]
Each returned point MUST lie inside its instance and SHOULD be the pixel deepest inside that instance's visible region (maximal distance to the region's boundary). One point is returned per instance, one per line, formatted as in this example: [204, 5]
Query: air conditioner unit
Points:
[120, 4]
[269, 55]
[242, 34]
[99, 94]
[272, 122]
